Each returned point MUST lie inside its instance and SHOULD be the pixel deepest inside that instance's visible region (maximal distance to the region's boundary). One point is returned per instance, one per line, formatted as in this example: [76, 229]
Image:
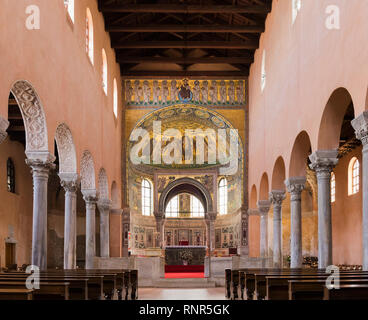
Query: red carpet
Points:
[184, 269]
[181, 275]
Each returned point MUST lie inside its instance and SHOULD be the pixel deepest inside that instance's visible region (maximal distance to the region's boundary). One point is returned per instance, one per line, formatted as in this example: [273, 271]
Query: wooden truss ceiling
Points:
[188, 37]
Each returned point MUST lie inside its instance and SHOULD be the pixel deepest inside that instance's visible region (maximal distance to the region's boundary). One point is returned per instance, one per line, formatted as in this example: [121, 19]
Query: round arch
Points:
[66, 149]
[299, 155]
[88, 181]
[186, 185]
[264, 187]
[278, 175]
[332, 119]
[33, 116]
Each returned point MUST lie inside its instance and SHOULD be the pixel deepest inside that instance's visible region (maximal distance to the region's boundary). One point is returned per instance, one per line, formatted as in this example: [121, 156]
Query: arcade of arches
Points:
[96, 128]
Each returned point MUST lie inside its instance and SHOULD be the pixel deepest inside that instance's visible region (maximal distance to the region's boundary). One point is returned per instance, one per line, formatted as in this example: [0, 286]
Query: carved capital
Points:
[253, 212]
[41, 166]
[276, 197]
[69, 182]
[360, 125]
[104, 205]
[264, 207]
[323, 162]
[90, 198]
[295, 186]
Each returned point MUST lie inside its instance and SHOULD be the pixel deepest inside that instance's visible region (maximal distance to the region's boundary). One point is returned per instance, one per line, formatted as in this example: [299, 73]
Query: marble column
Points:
[295, 187]
[91, 200]
[264, 207]
[322, 162]
[360, 124]
[70, 184]
[4, 124]
[40, 171]
[104, 206]
[276, 198]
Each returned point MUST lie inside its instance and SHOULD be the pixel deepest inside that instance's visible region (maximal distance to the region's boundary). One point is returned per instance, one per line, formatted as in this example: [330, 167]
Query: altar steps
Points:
[184, 283]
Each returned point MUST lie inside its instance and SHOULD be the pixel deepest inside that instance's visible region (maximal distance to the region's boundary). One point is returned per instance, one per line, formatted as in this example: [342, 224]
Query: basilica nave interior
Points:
[179, 139]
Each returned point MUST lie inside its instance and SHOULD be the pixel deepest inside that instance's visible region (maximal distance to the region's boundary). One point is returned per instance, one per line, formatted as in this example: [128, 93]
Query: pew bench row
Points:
[293, 284]
[71, 284]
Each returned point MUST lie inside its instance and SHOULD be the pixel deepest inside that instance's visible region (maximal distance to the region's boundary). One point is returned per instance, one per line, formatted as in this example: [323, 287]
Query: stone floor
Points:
[181, 294]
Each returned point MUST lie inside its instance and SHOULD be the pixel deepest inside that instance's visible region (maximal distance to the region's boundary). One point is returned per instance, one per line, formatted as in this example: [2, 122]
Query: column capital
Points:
[41, 167]
[90, 197]
[69, 181]
[277, 196]
[4, 124]
[264, 207]
[360, 125]
[104, 205]
[323, 161]
[253, 212]
[295, 186]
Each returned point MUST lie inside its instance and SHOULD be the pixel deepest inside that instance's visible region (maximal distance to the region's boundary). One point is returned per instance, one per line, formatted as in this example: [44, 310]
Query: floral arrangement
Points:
[186, 255]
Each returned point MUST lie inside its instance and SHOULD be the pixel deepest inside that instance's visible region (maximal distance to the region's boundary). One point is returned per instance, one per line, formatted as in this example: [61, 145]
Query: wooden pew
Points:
[347, 292]
[315, 289]
[16, 294]
[251, 277]
[47, 290]
[79, 287]
[228, 283]
[277, 287]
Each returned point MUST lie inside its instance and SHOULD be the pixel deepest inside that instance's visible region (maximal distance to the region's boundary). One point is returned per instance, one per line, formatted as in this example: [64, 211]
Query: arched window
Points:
[69, 5]
[10, 173]
[104, 71]
[146, 197]
[172, 208]
[296, 5]
[196, 207]
[115, 102]
[263, 71]
[353, 176]
[333, 187]
[222, 196]
[89, 35]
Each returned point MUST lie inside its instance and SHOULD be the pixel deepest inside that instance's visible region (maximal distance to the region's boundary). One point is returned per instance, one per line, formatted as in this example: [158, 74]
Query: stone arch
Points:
[264, 187]
[114, 195]
[332, 119]
[299, 155]
[66, 149]
[103, 185]
[33, 116]
[278, 175]
[253, 197]
[88, 181]
[186, 185]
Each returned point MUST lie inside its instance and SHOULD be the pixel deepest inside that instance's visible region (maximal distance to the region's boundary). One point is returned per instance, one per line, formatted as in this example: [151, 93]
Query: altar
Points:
[184, 258]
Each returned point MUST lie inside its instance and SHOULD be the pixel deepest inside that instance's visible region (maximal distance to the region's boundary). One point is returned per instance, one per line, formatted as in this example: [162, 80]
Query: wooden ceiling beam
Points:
[217, 60]
[186, 28]
[176, 8]
[250, 45]
[127, 74]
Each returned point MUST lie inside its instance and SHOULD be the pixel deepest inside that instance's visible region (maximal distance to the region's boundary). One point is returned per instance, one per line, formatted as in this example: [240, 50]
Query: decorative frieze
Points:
[162, 93]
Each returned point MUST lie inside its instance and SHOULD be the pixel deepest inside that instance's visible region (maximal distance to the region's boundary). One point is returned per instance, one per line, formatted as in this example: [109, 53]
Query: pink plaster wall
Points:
[53, 59]
[305, 63]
